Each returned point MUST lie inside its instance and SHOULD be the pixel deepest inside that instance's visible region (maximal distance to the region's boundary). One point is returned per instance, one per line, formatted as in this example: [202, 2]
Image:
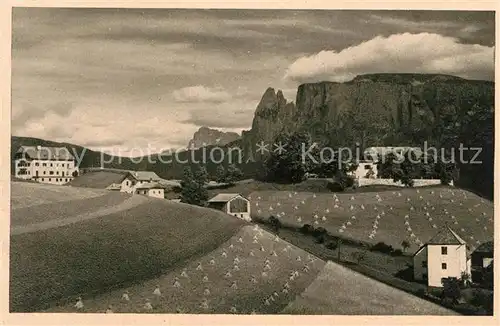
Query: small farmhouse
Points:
[444, 255]
[54, 165]
[232, 204]
[136, 179]
[132, 182]
[153, 189]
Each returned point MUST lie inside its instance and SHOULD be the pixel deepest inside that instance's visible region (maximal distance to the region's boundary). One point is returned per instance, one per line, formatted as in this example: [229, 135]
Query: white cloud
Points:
[200, 94]
[398, 53]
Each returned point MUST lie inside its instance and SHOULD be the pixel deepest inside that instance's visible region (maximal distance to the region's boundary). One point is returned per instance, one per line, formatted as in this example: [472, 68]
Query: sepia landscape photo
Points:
[244, 161]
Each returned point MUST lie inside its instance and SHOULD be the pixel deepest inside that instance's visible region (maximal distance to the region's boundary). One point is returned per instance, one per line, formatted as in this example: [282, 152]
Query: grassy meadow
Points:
[414, 215]
[204, 261]
[52, 265]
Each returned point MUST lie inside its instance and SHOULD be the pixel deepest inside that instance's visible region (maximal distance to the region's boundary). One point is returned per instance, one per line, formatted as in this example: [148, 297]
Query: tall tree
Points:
[233, 174]
[193, 189]
[220, 174]
[286, 164]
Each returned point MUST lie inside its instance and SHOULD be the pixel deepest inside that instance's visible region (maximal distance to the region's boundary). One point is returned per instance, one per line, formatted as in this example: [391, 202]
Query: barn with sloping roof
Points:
[232, 204]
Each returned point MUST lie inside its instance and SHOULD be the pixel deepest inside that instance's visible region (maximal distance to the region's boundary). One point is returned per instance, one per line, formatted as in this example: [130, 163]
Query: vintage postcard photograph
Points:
[252, 161]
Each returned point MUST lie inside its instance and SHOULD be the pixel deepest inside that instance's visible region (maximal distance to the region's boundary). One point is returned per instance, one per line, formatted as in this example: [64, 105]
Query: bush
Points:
[483, 300]
[397, 252]
[332, 245]
[334, 187]
[422, 293]
[383, 248]
[275, 223]
[321, 238]
[319, 232]
[306, 229]
[451, 290]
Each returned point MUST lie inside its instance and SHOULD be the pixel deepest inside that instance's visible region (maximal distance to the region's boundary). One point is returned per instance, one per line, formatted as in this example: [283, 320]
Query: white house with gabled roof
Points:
[444, 255]
[232, 204]
[135, 179]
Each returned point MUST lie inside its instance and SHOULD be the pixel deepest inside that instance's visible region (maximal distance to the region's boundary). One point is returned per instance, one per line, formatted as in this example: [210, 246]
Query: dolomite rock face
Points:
[375, 109]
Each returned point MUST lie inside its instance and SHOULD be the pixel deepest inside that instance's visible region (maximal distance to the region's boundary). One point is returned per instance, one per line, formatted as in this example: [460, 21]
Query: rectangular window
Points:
[444, 250]
[51, 164]
[444, 266]
[44, 164]
[37, 164]
[50, 179]
[51, 172]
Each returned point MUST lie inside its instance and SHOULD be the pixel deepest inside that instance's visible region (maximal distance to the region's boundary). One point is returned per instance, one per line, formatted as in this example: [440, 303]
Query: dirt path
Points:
[125, 205]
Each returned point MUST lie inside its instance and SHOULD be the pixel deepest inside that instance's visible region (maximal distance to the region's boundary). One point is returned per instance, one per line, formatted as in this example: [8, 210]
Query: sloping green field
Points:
[202, 260]
[242, 274]
[114, 250]
[354, 215]
[26, 194]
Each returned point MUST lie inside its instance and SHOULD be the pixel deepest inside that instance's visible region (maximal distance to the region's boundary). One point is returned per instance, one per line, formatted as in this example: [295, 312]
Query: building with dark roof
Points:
[444, 255]
[54, 165]
[481, 261]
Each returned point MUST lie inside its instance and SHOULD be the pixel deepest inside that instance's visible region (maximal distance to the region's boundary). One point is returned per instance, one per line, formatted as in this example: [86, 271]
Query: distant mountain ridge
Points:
[206, 136]
[372, 110]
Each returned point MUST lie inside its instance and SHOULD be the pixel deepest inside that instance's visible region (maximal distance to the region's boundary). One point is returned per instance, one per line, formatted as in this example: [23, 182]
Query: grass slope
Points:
[468, 214]
[97, 255]
[26, 194]
[64, 209]
[229, 280]
[341, 291]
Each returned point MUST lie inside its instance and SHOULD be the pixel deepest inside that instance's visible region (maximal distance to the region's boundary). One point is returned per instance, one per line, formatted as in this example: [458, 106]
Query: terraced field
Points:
[414, 215]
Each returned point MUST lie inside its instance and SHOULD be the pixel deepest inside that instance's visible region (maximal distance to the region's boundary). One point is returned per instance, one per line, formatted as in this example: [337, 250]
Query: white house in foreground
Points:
[54, 165]
[232, 204]
[444, 255]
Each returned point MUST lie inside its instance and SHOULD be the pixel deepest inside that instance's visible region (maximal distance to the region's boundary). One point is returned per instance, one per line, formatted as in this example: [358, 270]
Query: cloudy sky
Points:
[121, 80]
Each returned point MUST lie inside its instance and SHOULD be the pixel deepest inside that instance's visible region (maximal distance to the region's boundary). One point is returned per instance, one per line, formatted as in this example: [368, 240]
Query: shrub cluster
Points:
[386, 249]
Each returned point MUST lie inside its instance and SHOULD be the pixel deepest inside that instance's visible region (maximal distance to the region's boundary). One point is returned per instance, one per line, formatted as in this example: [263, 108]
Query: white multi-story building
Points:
[445, 255]
[54, 165]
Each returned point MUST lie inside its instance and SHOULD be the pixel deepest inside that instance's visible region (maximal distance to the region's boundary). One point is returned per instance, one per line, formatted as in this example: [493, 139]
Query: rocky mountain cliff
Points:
[376, 109]
[384, 110]
[206, 137]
